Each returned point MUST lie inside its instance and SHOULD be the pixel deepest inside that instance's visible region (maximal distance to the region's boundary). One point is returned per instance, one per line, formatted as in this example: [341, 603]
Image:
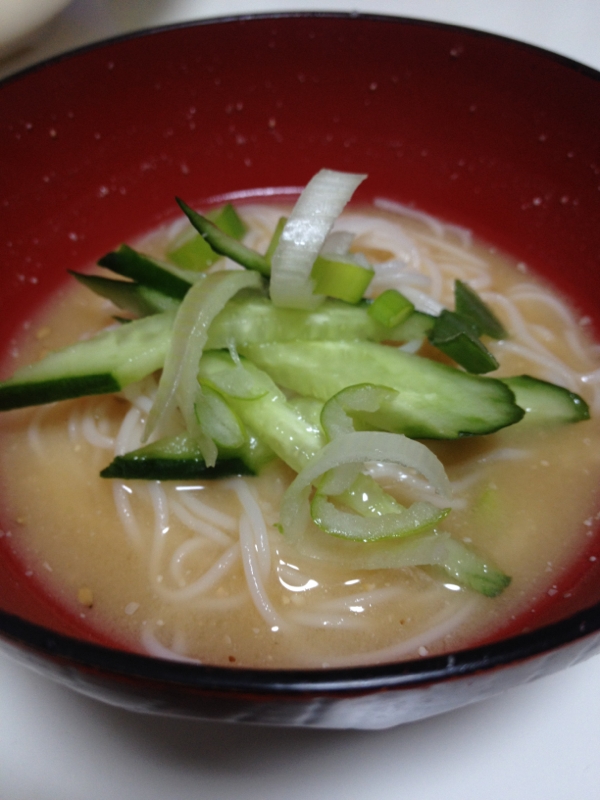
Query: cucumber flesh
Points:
[274, 420]
[433, 401]
[253, 319]
[471, 570]
[115, 358]
[546, 403]
[106, 363]
[179, 458]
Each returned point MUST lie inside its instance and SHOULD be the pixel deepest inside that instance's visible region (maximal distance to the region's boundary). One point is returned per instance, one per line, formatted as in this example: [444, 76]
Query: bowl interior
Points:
[481, 131]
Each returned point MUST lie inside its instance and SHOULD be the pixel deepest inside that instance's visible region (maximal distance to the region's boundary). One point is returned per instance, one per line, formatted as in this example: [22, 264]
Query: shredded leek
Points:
[362, 397]
[391, 308]
[305, 231]
[420, 517]
[459, 339]
[217, 419]
[178, 384]
[341, 277]
[352, 448]
[470, 306]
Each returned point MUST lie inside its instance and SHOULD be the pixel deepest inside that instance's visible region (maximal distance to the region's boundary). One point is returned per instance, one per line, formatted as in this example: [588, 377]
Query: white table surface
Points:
[539, 741]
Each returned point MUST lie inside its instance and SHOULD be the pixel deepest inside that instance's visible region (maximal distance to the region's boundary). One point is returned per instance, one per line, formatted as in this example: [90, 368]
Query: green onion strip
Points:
[178, 384]
[305, 231]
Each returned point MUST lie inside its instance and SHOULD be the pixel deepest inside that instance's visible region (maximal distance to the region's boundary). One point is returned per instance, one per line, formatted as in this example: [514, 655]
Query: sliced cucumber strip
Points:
[275, 421]
[150, 272]
[179, 458]
[546, 403]
[253, 319]
[191, 251]
[128, 295]
[433, 401]
[106, 363]
[223, 244]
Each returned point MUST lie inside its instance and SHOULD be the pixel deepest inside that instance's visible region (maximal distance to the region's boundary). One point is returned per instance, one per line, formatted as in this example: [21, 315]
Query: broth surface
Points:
[169, 569]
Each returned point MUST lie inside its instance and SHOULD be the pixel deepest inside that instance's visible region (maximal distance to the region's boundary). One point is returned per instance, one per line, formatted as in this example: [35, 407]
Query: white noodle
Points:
[401, 210]
[33, 431]
[178, 558]
[573, 339]
[433, 271]
[207, 581]
[442, 626]
[530, 293]
[121, 496]
[217, 518]
[129, 436]
[366, 599]
[464, 259]
[160, 507]
[421, 301]
[198, 525]
[548, 366]
[74, 423]
[155, 648]
[254, 579]
[259, 529]
[91, 431]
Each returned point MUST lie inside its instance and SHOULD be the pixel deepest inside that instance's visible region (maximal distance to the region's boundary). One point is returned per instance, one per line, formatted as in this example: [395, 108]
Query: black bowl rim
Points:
[42, 641]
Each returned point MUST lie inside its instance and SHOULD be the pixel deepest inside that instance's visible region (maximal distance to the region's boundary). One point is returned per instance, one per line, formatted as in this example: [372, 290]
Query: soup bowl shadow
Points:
[483, 131]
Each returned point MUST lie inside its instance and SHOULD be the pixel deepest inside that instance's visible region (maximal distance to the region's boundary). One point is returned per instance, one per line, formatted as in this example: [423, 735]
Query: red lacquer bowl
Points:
[480, 130]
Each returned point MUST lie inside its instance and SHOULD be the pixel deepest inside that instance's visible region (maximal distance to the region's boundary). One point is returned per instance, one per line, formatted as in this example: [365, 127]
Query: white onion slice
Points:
[178, 383]
[304, 234]
[352, 448]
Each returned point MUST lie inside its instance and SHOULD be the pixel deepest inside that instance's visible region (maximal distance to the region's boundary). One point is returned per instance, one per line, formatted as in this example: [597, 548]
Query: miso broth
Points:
[198, 570]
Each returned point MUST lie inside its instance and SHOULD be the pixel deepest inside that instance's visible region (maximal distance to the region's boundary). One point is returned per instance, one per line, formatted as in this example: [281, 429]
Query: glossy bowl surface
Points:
[485, 132]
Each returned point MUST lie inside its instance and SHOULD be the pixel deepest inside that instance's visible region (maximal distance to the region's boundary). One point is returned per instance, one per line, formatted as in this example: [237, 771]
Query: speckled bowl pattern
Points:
[485, 132]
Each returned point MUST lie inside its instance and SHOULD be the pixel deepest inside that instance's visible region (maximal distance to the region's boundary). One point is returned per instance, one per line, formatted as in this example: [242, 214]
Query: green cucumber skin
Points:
[179, 458]
[135, 467]
[472, 571]
[21, 395]
[108, 362]
[224, 244]
[113, 359]
[147, 271]
[434, 400]
[546, 403]
[127, 295]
